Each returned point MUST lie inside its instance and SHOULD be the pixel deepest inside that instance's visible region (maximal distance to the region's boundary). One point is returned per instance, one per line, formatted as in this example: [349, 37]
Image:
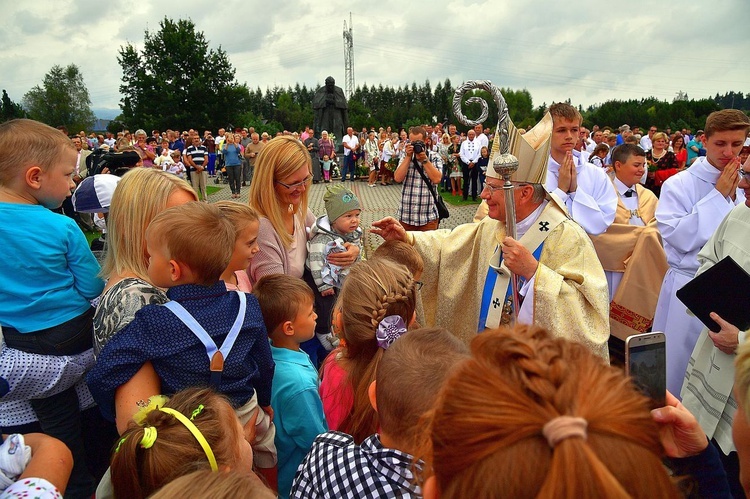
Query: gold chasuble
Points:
[637, 252]
[570, 289]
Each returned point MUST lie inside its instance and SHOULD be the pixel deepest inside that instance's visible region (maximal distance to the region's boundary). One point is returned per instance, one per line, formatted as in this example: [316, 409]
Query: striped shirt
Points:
[197, 154]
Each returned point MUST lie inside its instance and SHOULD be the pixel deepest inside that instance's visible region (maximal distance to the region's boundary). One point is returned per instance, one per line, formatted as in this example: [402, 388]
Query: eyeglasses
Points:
[418, 285]
[495, 188]
[492, 188]
[743, 174]
[295, 185]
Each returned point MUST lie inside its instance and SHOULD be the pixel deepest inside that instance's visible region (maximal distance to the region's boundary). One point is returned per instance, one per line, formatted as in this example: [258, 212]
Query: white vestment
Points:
[567, 295]
[690, 208]
[707, 391]
[594, 203]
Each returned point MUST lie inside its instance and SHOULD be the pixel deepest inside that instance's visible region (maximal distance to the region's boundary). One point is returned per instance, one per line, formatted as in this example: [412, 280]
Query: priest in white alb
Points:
[692, 205]
[708, 389]
[584, 188]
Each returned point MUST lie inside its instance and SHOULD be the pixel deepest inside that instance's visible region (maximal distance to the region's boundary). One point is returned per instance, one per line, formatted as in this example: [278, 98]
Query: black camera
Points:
[118, 162]
[418, 146]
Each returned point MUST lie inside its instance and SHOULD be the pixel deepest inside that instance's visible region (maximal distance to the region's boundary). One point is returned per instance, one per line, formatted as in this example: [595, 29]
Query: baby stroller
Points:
[221, 176]
[221, 172]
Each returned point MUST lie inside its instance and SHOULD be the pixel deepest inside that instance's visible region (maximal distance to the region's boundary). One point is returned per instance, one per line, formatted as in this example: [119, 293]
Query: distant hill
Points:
[106, 114]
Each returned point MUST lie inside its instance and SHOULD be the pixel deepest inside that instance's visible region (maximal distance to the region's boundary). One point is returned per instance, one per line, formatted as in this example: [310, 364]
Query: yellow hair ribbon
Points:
[196, 433]
[149, 437]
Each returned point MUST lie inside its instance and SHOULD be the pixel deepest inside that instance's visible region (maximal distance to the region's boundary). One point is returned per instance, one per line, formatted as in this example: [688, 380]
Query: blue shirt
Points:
[48, 273]
[179, 357]
[297, 412]
[232, 155]
[693, 154]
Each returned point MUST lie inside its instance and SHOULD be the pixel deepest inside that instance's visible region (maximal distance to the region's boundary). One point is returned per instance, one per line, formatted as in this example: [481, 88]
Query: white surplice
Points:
[594, 203]
[689, 211]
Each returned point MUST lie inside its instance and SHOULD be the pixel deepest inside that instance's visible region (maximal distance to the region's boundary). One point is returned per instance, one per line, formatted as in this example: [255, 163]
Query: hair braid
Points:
[394, 296]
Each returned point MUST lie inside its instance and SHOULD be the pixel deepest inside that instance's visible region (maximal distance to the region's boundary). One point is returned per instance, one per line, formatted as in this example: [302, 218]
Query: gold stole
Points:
[548, 220]
[632, 308]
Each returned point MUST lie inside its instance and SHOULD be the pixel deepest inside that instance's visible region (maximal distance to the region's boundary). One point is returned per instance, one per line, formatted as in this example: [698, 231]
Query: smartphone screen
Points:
[646, 364]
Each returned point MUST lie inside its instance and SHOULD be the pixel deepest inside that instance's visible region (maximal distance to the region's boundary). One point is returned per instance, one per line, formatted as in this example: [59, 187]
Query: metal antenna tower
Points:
[348, 59]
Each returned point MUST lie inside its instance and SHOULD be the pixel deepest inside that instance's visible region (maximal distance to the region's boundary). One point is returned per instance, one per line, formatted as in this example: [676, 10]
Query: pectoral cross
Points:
[505, 317]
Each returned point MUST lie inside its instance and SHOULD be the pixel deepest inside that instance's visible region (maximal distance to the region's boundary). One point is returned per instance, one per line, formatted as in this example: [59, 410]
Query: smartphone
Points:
[646, 364]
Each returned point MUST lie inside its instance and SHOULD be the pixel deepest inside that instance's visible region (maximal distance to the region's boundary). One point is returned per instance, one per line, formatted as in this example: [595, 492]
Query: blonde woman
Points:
[279, 194]
[662, 163]
[126, 265]
[372, 158]
[386, 153]
[442, 149]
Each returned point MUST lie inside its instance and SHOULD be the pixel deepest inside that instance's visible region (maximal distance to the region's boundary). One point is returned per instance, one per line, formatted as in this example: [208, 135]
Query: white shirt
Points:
[646, 143]
[594, 203]
[352, 141]
[483, 141]
[470, 151]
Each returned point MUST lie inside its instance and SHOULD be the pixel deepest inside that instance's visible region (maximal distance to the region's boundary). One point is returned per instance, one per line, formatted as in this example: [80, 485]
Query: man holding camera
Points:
[417, 210]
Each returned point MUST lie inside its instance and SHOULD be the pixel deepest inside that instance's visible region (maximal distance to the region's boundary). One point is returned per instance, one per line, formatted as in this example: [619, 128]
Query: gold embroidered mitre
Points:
[531, 149]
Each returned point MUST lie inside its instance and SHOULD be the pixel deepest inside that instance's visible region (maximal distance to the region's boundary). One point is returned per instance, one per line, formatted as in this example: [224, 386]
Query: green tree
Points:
[61, 100]
[176, 81]
[10, 109]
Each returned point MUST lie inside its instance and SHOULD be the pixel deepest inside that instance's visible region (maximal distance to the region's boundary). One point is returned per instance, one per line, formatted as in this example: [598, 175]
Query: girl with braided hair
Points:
[532, 416]
[195, 429]
[375, 306]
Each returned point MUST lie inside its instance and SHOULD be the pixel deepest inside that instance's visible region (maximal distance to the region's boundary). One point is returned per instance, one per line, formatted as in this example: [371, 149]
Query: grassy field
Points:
[457, 200]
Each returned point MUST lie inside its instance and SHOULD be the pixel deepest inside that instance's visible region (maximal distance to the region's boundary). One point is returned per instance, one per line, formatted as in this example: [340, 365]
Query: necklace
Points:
[658, 158]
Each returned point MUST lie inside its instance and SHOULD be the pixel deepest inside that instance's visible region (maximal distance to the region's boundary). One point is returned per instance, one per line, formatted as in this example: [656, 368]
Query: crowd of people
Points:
[250, 347]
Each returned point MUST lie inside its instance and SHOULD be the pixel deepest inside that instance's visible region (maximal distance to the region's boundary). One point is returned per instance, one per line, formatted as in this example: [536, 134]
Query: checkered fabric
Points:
[337, 467]
[417, 204]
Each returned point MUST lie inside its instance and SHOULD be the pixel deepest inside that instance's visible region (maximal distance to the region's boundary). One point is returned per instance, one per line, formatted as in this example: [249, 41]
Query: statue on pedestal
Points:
[331, 110]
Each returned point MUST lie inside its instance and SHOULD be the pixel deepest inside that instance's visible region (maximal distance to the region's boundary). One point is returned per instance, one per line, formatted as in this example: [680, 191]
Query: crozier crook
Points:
[504, 163]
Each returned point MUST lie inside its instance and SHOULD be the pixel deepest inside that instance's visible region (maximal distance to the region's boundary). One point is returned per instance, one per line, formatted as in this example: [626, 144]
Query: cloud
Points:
[554, 49]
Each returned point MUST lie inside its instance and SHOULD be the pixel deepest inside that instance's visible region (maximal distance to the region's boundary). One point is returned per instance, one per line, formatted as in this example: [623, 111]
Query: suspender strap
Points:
[216, 355]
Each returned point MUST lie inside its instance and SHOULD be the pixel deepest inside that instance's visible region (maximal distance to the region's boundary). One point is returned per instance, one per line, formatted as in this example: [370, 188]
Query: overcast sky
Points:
[588, 52]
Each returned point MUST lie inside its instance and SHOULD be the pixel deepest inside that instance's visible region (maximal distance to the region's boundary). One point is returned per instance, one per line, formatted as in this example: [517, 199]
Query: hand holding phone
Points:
[679, 431]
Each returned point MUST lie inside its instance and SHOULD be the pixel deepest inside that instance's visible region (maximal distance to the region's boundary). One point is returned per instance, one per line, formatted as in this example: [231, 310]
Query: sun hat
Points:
[94, 193]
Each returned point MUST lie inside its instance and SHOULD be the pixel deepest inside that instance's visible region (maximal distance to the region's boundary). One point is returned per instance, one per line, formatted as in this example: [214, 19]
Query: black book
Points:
[724, 289]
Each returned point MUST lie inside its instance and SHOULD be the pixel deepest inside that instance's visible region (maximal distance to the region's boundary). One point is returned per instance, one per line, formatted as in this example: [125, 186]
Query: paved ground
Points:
[377, 202]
